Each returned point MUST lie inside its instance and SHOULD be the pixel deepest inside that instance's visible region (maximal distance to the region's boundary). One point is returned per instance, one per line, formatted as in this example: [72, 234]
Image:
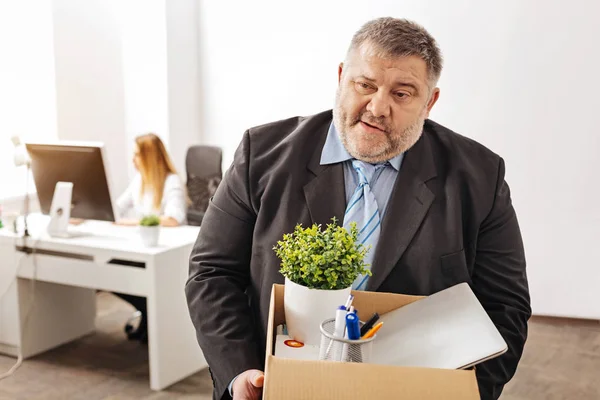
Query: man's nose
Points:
[379, 105]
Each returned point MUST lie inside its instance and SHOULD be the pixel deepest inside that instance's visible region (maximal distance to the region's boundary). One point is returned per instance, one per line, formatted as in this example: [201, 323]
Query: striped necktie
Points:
[362, 209]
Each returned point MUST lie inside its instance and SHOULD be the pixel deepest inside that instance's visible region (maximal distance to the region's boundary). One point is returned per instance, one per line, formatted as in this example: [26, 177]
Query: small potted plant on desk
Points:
[149, 230]
[319, 267]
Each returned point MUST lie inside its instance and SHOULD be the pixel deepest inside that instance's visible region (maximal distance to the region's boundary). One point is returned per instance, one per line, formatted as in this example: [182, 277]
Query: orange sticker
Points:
[293, 343]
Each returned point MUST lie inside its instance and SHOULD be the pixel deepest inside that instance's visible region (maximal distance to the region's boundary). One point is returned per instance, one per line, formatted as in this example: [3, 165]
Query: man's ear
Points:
[340, 70]
[435, 95]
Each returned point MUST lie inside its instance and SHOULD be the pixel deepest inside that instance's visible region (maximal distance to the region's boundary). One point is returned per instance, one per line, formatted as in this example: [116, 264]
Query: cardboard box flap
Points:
[304, 380]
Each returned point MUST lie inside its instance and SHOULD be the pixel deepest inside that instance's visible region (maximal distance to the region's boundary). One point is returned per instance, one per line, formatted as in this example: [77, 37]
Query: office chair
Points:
[204, 173]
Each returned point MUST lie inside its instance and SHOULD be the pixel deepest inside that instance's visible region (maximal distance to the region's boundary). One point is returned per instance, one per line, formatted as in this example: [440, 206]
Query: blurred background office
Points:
[520, 76]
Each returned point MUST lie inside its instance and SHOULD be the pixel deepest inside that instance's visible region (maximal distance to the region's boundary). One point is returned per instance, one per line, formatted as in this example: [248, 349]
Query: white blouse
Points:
[131, 205]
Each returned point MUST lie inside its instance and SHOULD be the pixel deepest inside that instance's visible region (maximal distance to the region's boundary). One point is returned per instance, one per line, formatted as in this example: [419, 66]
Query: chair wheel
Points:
[128, 329]
[130, 326]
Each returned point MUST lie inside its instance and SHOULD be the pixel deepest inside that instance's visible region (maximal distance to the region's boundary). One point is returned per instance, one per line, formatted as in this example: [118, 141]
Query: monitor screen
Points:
[81, 165]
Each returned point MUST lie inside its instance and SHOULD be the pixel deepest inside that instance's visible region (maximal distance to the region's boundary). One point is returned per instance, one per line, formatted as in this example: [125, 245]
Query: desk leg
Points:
[9, 300]
[43, 315]
[174, 352]
[59, 314]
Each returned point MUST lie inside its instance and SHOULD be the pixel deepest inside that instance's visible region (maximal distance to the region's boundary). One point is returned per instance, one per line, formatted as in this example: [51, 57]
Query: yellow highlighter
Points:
[372, 331]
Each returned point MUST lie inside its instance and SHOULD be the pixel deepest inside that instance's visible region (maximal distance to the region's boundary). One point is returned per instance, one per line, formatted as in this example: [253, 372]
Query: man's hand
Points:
[248, 385]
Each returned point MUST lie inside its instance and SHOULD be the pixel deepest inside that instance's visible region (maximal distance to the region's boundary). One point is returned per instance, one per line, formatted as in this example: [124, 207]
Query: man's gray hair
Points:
[395, 37]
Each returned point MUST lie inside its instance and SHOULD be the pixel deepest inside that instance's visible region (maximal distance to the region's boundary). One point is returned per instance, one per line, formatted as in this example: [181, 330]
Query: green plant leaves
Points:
[150, 220]
[327, 259]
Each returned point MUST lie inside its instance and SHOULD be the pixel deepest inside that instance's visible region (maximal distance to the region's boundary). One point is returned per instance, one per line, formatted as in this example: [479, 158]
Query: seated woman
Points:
[155, 189]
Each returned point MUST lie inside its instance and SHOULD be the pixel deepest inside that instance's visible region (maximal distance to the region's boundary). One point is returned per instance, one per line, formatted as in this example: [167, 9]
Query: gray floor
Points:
[561, 361]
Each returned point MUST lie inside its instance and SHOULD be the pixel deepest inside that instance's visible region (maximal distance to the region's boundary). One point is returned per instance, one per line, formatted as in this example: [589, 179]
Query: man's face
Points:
[381, 104]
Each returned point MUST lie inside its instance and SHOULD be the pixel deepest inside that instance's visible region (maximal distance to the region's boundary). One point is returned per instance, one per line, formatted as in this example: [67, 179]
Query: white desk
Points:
[68, 272]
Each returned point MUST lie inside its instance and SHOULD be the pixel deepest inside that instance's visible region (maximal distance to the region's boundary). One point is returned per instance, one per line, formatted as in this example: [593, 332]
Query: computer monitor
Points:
[81, 163]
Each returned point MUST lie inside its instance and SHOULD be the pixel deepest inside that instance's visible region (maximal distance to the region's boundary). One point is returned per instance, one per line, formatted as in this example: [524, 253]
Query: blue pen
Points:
[352, 326]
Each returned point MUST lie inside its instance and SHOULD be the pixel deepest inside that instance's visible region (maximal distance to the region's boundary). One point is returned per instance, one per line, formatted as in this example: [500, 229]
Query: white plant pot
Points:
[305, 310]
[149, 235]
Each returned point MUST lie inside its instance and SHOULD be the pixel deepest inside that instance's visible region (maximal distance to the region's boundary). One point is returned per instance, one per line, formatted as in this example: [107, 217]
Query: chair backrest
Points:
[204, 161]
[204, 173]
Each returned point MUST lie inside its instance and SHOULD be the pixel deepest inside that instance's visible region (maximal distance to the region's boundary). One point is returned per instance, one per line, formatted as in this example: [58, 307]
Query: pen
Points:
[369, 324]
[372, 331]
[349, 301]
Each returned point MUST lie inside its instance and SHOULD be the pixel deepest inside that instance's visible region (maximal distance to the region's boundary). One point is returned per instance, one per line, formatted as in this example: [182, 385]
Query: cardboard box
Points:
[313, 380]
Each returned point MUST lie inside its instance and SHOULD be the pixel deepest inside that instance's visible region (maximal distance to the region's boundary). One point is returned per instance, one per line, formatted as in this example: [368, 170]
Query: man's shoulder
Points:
[286, 124]
[294, 140]
[289, 126]
[459, 149]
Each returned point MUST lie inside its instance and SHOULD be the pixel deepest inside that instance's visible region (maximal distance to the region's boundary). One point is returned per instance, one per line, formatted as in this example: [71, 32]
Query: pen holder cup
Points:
[333, 348]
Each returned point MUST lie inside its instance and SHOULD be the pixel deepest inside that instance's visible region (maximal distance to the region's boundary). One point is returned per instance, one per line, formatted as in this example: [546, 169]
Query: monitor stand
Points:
[60, 210]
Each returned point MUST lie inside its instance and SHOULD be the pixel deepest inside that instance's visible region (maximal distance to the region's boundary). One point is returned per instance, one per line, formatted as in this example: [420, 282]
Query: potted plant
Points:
[319, 267]
[149, 230]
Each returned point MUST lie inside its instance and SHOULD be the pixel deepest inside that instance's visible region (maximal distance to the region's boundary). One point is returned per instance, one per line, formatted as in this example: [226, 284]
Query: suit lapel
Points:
[408, 205]
[325, 196]
[325, 193]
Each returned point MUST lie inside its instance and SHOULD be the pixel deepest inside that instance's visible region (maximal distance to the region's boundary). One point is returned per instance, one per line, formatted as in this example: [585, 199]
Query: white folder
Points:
[449, 329]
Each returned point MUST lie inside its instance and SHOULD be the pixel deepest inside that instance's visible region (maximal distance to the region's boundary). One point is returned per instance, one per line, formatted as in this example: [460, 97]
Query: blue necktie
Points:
[362, 209]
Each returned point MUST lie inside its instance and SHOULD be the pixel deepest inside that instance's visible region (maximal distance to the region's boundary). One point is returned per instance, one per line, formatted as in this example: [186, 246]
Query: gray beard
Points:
[395, 146]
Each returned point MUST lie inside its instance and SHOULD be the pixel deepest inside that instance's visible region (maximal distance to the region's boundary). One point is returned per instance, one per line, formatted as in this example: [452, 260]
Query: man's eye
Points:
[364, 87]
[401, 95]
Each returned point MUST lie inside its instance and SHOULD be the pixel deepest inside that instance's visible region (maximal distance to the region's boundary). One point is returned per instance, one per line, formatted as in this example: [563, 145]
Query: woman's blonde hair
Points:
[154, 165]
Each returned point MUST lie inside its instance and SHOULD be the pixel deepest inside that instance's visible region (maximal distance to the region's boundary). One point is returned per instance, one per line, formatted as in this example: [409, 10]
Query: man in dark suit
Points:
[444, 209]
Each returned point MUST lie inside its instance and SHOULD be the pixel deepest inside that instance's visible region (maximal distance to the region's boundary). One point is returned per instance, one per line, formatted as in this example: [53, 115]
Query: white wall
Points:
[144, 53]
[520, 77]
[126, 68]
[27, 93]
[184, 108]
[90, 79]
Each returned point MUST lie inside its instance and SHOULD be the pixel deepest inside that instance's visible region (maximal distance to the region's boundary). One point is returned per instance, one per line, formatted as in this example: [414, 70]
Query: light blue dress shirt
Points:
[383, 181]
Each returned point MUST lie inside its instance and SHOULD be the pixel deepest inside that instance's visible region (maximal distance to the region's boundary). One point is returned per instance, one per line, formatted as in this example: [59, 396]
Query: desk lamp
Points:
[22, 158]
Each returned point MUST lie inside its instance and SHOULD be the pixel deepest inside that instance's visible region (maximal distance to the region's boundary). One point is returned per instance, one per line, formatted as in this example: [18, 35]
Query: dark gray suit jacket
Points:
[449, 220]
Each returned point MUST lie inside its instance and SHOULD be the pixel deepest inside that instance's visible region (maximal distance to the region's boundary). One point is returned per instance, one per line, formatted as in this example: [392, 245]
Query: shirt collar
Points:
[334, 151]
